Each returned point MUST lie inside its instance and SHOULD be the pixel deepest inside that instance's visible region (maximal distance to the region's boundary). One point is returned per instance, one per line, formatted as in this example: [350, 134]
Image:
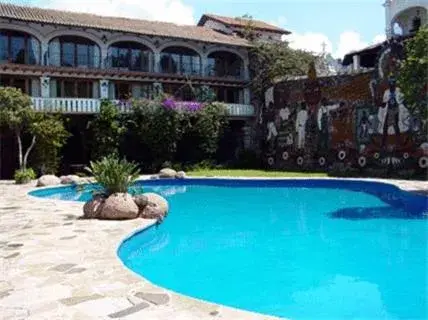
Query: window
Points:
[178, 60]
[19, 47]
[23, 84]
[4, 47]
[228, 95]
[68, 87]
[84, 89]
[130, 56]
[83, 55]
[123, 91]
[76, 89]
[224, 64]
[69, 51]
[67, 55]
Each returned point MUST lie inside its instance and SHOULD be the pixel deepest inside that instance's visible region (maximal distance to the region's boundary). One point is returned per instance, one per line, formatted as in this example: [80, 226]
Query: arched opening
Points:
[225, 64]
[397, 29]
[180, 60]
[129, 55]
[19, 47]
[74, 51]
[409, 21]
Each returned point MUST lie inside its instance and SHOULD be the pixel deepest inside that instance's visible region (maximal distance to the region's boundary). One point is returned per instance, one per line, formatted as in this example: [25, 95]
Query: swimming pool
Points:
[301, 249]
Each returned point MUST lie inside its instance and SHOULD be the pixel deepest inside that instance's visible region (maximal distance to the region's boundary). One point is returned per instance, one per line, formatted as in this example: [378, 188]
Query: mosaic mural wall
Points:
[357, 121]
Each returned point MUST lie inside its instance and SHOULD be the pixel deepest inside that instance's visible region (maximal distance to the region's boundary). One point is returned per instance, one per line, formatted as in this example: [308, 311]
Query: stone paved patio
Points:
[56, 266]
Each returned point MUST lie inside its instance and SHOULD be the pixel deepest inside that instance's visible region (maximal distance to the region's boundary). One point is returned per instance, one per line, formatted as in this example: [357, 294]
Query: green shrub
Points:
[23, 176]
[160, 133]
[108, 129]
[51, 137]
[113, 175]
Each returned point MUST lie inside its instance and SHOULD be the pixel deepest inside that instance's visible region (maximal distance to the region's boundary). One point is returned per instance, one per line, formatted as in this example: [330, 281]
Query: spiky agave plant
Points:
[113, 175]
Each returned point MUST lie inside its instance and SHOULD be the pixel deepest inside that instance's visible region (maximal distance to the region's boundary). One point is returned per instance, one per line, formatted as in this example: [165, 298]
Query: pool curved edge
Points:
[398, 185]
[242, 312]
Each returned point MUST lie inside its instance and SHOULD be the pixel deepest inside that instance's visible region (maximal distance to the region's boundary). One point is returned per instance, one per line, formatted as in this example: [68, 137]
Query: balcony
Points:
[233, 72]
[91, 106]
[79, 61]
[184, 69]
[126, 64]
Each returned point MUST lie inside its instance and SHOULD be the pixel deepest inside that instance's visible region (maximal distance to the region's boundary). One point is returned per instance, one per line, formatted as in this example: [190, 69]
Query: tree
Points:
[51, 136]
[155, 127]
[17, 114]
[46, 131]
[108, 130]
[413, 73]
[272, 61]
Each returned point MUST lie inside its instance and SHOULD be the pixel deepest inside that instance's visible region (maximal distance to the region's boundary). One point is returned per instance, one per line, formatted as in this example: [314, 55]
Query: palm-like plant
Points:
[113, 175]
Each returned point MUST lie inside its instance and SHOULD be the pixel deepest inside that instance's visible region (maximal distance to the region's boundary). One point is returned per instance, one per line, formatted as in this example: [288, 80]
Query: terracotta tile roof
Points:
[242, 22]
[143, 27]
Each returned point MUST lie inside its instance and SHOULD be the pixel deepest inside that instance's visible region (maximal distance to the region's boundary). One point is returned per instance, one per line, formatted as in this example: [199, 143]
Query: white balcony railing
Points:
[89, 106]
[66, 105]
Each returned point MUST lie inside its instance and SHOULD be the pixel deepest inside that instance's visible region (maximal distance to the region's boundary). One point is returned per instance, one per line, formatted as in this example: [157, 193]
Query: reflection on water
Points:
[361, 213]
[169, 191]
[158, 240]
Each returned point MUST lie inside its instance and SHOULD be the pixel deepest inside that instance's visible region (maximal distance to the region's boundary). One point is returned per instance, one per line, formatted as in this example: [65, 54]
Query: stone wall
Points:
[356, 122]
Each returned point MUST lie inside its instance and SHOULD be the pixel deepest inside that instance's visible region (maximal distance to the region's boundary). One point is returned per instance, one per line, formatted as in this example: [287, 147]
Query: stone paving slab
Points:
[55, 266]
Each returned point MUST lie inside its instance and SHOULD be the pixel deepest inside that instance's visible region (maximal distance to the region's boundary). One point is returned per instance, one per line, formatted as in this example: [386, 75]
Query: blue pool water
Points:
[318, 249]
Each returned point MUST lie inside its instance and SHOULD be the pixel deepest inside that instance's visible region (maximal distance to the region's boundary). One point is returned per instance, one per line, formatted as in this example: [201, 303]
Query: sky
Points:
[342, 25]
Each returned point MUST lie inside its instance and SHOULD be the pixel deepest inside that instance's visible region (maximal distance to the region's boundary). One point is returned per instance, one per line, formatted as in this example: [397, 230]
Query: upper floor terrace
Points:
[57, 39]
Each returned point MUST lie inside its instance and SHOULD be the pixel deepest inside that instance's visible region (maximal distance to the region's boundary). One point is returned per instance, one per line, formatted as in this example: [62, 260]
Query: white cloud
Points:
[348, 41]
[379, 38]
[175, 11]
[310, 41]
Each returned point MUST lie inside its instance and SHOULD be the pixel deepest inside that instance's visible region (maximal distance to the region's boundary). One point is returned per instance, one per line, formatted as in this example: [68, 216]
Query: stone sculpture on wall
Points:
[361, 121]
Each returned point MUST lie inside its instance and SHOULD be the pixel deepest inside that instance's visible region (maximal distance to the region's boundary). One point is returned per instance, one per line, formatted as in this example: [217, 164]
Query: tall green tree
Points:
[413, 73]
[16, 114]
[108, 129]
[46, 131]
[272, 61]
[51, 136]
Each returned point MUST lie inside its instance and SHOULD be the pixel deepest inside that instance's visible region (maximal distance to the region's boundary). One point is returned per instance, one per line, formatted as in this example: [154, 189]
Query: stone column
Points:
[356, 62]
[204, 63]
[45, 87]
[246, 71]
[388, 22]
[156, 66]
[104, 89]
[104, 58]
[247, 96]
[44, 55]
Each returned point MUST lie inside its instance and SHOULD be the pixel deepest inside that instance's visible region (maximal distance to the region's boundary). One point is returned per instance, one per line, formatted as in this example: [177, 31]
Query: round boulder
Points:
[92, 208]
[119, 206]
[155, 200]
[152, 212]
[48, 180]
[180, 175]
[70, 179]
[167, 173]
[141, 201]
